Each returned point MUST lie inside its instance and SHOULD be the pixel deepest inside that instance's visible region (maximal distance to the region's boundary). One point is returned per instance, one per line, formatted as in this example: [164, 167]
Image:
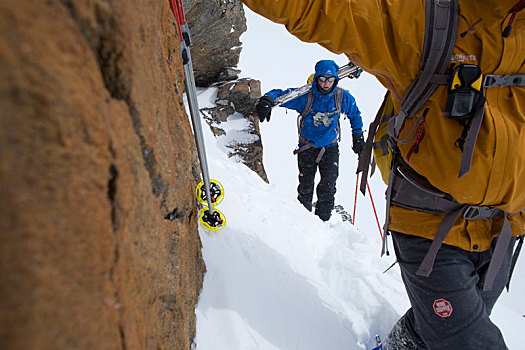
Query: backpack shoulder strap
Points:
[338, 95]
[307, 108]
[441, 20]
[441, 27]
[308, 105]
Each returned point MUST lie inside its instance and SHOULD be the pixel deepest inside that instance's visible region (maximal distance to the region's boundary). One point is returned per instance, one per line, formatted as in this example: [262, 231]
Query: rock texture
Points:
[215, 27]
[235, 112]
[95, 148]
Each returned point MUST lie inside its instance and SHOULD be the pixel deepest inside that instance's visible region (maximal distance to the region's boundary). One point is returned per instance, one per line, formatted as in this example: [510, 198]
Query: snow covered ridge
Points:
[279, 278]
[286, 280]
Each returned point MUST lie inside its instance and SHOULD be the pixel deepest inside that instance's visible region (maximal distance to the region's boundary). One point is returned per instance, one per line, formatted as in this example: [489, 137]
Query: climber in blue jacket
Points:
[319, 133]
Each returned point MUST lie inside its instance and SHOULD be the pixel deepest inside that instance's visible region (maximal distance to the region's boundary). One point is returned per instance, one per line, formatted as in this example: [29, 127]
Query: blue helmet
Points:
[328, 68]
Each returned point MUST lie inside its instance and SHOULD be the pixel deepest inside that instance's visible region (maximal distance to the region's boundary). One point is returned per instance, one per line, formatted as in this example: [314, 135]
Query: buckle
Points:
[474, 212]
[492, 80]
[443, 3]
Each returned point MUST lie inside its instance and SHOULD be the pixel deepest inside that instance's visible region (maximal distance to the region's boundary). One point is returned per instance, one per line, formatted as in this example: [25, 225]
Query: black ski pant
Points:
[449, 309]
[329, 171]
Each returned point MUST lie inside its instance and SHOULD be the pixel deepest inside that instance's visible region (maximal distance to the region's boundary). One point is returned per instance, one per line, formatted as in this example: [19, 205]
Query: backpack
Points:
[408, 189]
[338, 96]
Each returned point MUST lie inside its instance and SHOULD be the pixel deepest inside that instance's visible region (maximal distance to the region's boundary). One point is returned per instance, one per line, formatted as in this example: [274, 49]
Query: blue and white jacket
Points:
[321, 125]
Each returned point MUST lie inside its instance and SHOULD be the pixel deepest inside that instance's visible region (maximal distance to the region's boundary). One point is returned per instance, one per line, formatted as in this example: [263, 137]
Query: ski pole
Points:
[374, 207]
[355, 198]
[184, 34]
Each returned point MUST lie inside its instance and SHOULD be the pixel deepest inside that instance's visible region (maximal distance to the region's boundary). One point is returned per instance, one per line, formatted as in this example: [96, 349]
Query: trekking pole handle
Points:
[182, 28]
[175, 11]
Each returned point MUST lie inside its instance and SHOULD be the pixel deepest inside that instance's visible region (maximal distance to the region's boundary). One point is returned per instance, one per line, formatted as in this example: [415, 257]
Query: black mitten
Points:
[358, 143]
[263, 108]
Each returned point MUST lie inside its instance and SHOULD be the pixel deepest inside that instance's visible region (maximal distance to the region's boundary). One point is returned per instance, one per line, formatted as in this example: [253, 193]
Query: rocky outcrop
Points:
[235, 112]
[215, 27]
[95, 148]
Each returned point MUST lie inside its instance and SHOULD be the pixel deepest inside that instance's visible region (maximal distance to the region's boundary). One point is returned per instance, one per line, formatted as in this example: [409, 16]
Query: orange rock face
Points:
[95, 148]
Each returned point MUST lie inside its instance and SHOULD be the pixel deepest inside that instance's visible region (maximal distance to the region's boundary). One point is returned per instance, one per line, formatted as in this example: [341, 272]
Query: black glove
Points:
[263, 108]
[358, 143]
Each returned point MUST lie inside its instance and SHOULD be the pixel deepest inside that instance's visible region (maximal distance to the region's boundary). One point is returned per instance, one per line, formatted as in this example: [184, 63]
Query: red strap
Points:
[419, 138]
[518, 7]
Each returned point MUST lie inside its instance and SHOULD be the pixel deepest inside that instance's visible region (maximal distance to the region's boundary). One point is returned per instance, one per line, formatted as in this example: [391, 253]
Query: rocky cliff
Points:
[95, 147]
[215, 27]
[95, 150]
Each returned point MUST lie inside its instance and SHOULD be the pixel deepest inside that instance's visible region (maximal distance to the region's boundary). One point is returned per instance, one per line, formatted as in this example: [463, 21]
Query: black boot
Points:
[400, 338]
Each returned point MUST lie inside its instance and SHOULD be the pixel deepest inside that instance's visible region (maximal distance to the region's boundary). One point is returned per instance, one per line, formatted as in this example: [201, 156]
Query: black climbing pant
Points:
[329, 171]
[450, 310]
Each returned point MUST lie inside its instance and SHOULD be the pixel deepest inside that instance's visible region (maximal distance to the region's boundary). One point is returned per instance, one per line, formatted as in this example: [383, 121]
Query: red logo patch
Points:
[443, 308]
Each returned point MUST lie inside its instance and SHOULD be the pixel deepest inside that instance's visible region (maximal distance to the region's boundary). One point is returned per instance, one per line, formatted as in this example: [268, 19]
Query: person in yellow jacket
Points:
[450, 309]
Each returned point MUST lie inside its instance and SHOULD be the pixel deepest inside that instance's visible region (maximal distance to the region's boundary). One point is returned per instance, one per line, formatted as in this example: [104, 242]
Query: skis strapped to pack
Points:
[349, 70]
[408, 189]
[338, 96]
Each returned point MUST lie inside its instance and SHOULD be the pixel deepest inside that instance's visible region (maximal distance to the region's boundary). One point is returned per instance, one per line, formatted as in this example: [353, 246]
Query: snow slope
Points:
[279, 278]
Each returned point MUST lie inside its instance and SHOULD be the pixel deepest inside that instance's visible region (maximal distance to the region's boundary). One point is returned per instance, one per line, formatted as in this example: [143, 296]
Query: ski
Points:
[349, 70]
[209, 217]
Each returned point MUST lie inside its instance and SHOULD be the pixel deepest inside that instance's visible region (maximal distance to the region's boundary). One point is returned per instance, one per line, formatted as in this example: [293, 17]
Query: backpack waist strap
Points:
[412, 191]
[492, 80]
[489, 80]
